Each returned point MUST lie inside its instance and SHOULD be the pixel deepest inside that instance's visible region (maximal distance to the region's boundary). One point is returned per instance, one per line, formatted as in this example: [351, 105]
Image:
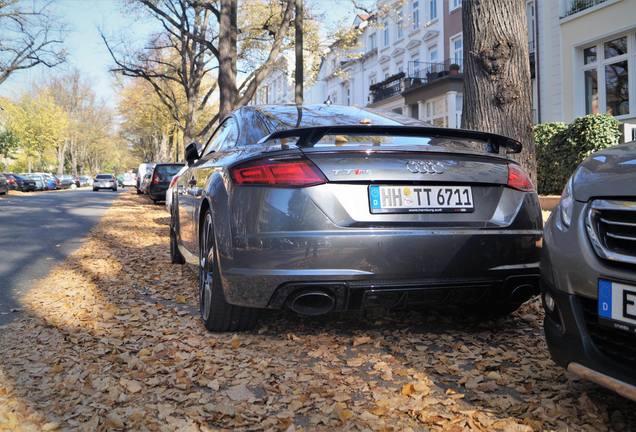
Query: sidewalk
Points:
[111, 340]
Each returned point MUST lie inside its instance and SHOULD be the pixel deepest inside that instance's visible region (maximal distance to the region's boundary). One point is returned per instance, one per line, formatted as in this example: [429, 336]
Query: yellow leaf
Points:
[51, 426]
[408, 389]
[235, 342]
[180, 298]
[361, 340]
[343, 414]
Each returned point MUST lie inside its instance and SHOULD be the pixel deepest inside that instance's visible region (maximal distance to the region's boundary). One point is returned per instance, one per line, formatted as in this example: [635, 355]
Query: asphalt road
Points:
[39, 230]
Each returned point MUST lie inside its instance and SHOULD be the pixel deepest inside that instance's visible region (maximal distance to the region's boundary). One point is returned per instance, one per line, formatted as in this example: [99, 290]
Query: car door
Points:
[191, 184]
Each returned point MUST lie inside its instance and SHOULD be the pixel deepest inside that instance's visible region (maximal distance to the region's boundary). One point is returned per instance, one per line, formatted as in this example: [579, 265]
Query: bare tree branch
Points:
[28, 37]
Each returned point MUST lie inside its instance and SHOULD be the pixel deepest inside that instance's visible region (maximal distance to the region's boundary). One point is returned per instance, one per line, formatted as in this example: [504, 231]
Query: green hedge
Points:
[561, 147]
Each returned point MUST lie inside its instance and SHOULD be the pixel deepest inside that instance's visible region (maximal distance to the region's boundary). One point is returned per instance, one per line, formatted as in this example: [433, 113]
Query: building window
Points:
[400, 24]
[607, 75]
[386, 34]
[386, 74]
[459, 103]
[372, 42]
[433, 55]
[371, 79]
[432, 10]
[457, 49]
[531, 20]
[415, 14]
[435, 112]
[591, 92]
[454, 4]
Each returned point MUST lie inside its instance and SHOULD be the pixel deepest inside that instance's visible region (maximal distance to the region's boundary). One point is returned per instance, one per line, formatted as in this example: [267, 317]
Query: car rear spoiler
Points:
[309, 136]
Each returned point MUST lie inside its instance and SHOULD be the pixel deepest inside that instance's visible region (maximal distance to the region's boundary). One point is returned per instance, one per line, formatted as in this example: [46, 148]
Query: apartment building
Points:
[278, 86]
[588, 59]
[409, 60]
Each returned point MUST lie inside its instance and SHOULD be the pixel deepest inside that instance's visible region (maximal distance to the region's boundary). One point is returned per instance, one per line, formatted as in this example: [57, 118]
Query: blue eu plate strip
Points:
[605, 298]
[374, 192]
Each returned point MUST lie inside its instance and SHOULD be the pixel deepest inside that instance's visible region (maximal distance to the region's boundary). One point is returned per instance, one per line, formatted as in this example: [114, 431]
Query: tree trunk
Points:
[61, 152]
[227, 57]
[497, 86]
[298, 24]
[164, 146]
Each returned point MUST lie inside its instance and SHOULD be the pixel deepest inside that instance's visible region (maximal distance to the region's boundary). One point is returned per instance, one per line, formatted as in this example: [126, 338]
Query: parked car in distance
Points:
[105, 181]
[66, 182]
[142, 170]
[85, 181]
[160, 180]
[588, 268]
[129, 179]
[145, 182]
[332, 208]
[22, 183]
[40, 181]
[11, 182]
[4, 185]
[170, 191]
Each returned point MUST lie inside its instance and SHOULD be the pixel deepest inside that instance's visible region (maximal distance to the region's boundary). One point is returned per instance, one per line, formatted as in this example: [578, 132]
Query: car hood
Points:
[607, 173]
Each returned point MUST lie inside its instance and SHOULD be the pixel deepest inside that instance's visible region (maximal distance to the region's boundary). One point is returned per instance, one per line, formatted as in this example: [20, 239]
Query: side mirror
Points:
[192, 153]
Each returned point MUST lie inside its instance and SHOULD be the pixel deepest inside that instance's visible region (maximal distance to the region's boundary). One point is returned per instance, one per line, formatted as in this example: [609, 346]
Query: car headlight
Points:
[566, 206]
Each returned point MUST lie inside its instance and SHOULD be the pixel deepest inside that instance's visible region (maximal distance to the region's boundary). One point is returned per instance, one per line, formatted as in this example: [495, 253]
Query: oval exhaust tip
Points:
[313, 303]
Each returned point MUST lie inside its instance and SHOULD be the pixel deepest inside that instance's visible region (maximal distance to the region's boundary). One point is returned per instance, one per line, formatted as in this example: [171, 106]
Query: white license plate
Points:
[617, 304]
[420, 199]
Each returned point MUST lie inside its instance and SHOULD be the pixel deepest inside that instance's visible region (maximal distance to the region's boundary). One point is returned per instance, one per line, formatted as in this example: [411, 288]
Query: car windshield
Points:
[166, 172]
[104, 177]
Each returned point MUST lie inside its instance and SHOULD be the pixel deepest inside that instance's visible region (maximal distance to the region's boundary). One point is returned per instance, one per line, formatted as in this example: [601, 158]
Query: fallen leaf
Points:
[235, 342]
[361, 340]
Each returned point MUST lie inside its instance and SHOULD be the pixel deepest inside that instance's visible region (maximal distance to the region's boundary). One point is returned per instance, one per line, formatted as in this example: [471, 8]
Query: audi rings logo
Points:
[425, 167]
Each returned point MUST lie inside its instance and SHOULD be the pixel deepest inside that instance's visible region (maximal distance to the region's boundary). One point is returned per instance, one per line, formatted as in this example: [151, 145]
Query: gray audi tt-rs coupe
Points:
[330, 208]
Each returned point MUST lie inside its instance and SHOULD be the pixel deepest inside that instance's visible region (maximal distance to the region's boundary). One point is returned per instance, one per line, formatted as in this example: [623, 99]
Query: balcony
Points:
[425, 73]
[571, 7]
[391, 86]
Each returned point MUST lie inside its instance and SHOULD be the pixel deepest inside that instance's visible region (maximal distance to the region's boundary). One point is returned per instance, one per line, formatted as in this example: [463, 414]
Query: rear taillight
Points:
[519, 179]
[278, 173]
[155, 179]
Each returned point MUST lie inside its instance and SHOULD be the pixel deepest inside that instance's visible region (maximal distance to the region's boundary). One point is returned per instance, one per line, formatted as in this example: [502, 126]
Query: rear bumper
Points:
[157, 192]
[401, 265]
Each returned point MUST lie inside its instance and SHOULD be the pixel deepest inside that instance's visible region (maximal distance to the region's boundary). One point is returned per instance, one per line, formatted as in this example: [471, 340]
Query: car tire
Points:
[114, 189]
[95, 189]
[218, 315]
[138, 192]
[175, 254]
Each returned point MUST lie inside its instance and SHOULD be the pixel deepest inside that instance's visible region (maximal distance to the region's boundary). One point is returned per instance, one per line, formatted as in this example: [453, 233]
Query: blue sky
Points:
[86, 50]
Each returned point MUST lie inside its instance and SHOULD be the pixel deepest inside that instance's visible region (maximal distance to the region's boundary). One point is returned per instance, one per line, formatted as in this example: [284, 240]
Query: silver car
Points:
[588, 269]
[104, 181]
[331, 208]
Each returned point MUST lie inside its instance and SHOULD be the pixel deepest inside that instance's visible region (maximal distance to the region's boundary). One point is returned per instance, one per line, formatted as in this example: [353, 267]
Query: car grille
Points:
[616, 344]
[611, 227]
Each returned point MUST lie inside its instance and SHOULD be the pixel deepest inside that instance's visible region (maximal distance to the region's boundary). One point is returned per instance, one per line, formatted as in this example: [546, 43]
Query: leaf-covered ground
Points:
[111, 340]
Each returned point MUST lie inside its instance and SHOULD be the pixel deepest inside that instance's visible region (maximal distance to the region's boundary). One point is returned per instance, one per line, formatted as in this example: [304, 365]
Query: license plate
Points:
[420, 199]
[617, 305]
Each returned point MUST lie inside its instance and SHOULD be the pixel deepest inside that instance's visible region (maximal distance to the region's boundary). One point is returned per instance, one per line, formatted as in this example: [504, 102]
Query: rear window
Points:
[371, 140]
[166, 172]
[389, 140]
[104, 177]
